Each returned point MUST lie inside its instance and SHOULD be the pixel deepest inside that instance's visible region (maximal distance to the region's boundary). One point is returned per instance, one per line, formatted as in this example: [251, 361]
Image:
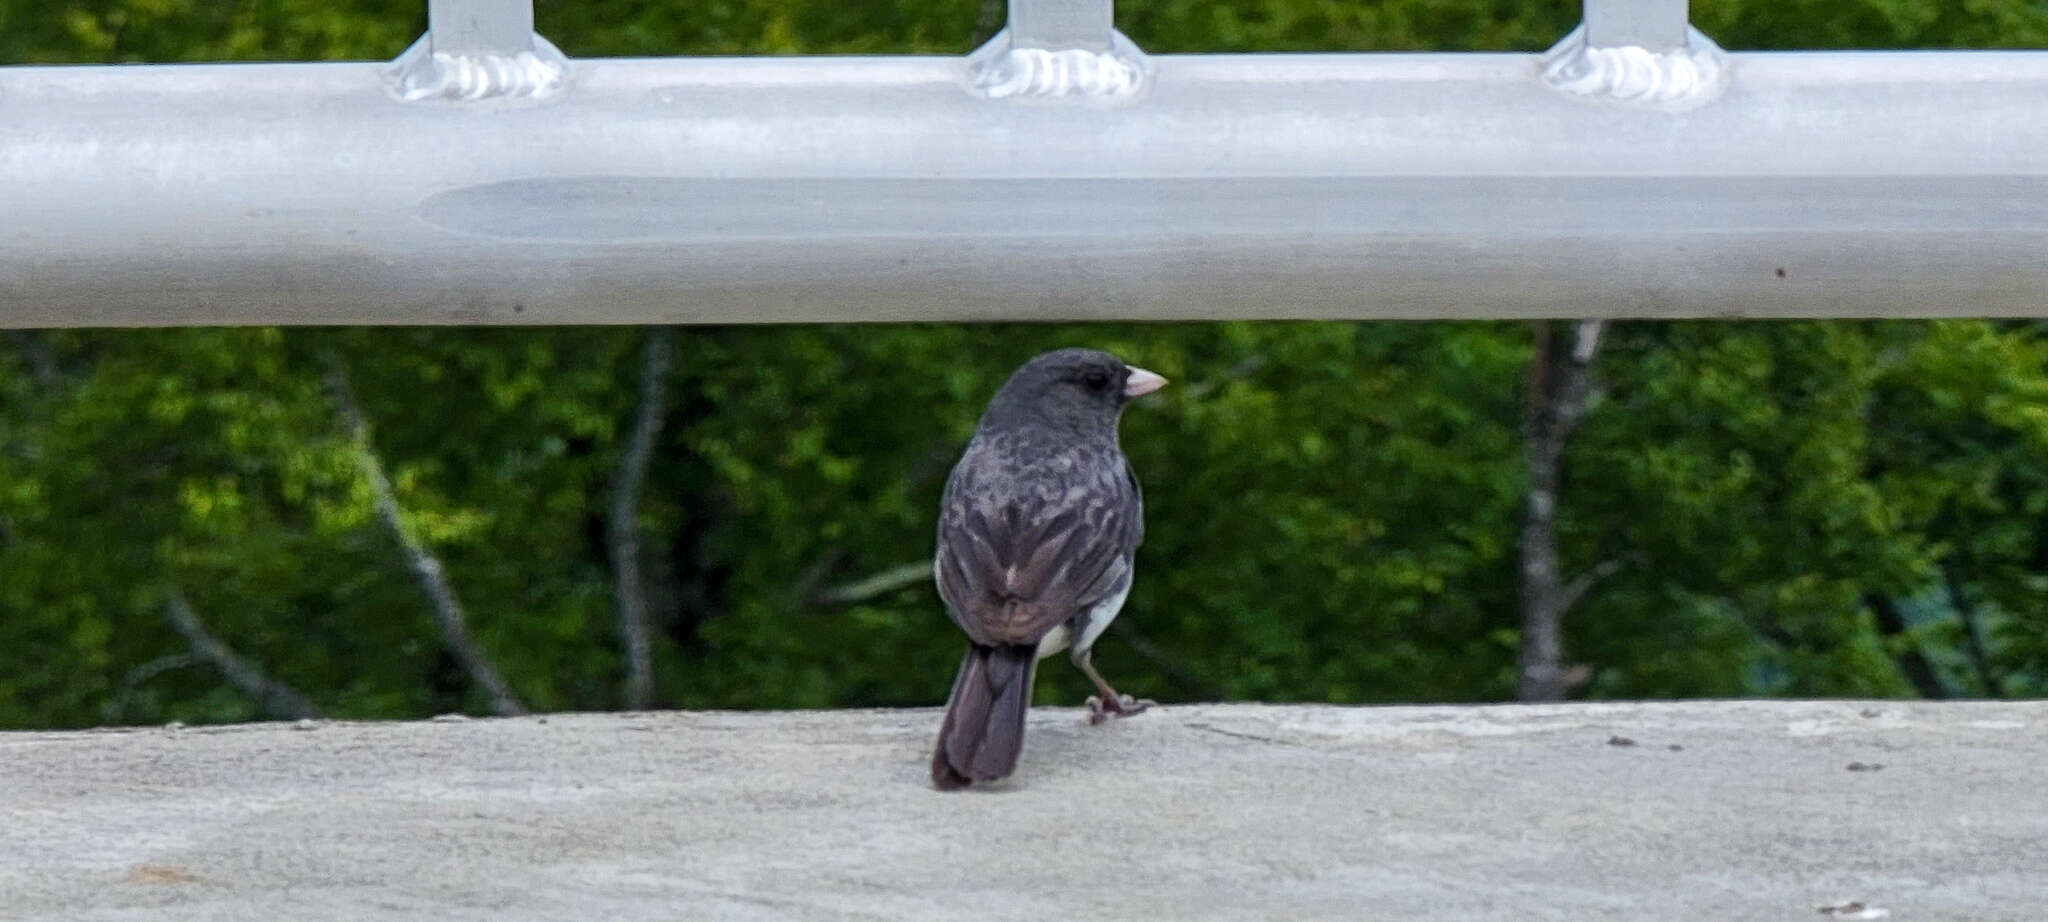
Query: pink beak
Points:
[1142, 382]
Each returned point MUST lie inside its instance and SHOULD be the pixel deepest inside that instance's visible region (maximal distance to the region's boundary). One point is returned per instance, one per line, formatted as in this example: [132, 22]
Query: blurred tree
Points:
[1560, 386]
[1804, 508]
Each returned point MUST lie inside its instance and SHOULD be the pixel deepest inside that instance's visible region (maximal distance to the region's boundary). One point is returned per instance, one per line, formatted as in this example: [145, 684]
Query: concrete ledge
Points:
[1701, 810]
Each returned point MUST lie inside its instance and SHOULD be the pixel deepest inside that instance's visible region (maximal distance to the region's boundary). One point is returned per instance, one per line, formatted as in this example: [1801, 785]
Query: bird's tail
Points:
[984, 727]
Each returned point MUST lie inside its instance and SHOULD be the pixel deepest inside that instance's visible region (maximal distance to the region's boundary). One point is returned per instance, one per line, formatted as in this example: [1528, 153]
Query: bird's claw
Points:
[1100, 710]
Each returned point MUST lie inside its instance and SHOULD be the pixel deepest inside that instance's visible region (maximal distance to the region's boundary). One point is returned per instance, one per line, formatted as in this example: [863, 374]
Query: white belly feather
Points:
[1093, 622]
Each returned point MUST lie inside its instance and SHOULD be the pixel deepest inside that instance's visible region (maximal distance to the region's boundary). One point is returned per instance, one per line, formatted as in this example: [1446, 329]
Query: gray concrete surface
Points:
[1703, 810]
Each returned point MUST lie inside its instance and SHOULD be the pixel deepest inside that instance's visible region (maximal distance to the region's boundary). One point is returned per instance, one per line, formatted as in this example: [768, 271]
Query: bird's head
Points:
[1073, 386]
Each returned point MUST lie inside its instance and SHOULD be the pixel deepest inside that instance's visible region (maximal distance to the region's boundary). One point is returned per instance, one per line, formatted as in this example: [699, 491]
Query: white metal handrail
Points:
[1057, 173]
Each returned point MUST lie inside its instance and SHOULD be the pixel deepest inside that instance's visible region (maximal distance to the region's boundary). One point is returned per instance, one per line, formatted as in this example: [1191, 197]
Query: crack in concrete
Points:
[1248, 736]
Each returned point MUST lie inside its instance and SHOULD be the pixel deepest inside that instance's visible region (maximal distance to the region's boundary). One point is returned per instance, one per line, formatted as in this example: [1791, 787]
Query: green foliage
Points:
[1333, 507]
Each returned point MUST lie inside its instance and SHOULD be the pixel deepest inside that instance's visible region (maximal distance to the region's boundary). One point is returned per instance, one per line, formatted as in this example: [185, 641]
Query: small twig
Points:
[1973, 635]
[447, 608]
[896, 577]
[115, 711]
[804, 591]
[1576, 590]
[1198, 688]
[929, 466]
[275, 696]
[1912, 661]
[624, 523]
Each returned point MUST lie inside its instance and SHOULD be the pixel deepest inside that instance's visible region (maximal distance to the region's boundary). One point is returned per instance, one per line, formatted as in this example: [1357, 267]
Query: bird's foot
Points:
[1100, 709]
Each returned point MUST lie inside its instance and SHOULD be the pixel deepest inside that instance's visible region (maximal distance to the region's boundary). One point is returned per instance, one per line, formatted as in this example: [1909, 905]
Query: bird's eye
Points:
[1096, 379]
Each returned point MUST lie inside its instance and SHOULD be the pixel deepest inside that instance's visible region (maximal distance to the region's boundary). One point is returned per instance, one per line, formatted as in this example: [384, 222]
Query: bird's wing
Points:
[1010, 569]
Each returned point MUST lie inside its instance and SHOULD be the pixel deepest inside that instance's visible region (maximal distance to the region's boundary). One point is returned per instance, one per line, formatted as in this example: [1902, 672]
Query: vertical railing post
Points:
[1060, 24]
[479, 49]
[1638, 51]
[1056, 48]
[480, 27]
[1654, 25]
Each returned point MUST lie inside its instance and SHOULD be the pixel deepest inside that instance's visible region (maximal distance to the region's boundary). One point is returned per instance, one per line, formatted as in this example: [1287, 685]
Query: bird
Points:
[1037, 530]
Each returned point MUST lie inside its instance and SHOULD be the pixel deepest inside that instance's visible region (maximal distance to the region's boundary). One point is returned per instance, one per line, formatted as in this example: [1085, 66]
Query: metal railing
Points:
[1057, 173]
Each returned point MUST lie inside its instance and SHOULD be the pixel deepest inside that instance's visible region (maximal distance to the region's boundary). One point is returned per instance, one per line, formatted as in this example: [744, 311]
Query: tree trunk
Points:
[623, 526]
[1560, 380]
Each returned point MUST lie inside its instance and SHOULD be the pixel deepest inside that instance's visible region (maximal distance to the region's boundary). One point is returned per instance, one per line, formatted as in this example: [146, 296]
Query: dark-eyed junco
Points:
[1036, 533]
